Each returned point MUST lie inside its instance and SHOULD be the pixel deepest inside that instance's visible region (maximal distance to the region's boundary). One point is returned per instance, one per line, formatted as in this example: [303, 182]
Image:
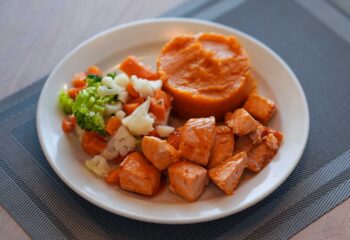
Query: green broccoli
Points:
[112, 75]
[93, 80]
[88, 108]
[65, 102]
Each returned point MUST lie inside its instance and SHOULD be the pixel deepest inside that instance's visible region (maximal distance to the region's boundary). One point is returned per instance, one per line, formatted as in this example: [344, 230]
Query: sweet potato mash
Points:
[208, 74]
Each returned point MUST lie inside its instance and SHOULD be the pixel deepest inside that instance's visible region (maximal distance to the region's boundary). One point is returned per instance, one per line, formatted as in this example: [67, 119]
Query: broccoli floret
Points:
[88, 108]
[112, 75]
[65, 102]
[93, 80]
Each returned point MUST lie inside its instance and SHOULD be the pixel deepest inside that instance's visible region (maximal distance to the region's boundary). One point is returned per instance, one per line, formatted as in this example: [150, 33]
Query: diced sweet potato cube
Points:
[187, 179]
[174, 138]
[260, 107]
[223, 146]
[197, 139]
[241, 122]
[136, 174]
[159, 152]
[227, 174]
[263, 153]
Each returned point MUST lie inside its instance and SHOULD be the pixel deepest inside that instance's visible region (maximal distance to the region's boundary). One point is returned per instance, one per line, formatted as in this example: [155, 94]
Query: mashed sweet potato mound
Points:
[208, 74]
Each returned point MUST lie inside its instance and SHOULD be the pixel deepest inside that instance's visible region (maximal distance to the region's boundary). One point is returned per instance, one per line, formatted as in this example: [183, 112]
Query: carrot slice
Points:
[160, 94]
[68, 124]
[130, 107]
[95, 146]
[94, 70]
[78, 80]
[73, 92]
[112, 125]
[78, 83]
[73, 120]
[93, 143]
[113, 176]
[153, 133]
[131, 90]
[132, 66]
[157, 107]
[139, 100]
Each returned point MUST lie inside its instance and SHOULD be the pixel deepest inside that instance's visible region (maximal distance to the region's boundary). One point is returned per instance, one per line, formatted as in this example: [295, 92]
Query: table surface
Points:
[36, 36]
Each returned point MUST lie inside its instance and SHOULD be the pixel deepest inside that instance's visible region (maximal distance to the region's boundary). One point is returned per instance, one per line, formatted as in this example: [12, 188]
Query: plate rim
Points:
[162, 220]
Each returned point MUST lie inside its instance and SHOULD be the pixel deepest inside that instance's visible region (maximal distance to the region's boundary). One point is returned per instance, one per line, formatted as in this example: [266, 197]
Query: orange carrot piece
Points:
[132, 66]
[78, 83]
[139, 100]
[95, 146]
[112, 125]
[68, 124]
[153, 133]
[160, 94]
[73, 120]
[131, 90]
[93, 143]
[78, 80]
[113, 176]
[73, 92]
[94, 70]
[157, 107]
[130, 107]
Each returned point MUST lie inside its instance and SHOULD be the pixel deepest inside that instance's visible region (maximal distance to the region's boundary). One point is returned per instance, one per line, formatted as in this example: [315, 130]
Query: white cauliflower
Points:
[79, 131]
[111, 109]
[120, 114]
[122, 80]
[120, 144]
[145, 87]
[98, 165]
[109, 87]
[164, 130]
[140, 122]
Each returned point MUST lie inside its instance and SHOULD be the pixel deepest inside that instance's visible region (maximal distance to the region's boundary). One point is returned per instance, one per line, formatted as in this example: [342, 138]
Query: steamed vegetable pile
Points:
[111, 113]
[121, 119]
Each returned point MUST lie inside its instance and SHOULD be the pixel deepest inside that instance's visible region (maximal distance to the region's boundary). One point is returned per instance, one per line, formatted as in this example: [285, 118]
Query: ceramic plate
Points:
[144, 39]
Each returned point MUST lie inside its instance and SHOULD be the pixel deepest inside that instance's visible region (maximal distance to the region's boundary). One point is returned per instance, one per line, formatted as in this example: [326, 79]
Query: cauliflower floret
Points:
[140, 122]
[79, 131]
[123, 96]
[164, 130]
[120, 114]
[122, 80]
[109, 87]
[111, 109]
[98, 165]
[145, 87]
[120, 144]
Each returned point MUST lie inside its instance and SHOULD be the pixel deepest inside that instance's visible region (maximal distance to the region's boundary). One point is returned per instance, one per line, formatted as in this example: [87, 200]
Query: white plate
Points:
[145, 39]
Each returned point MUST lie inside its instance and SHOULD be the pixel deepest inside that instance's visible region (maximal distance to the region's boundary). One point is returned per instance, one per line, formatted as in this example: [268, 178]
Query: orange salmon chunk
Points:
[260, 107]
[223, 146]
[241, 122]
[228, 173]
[138, 175]
[159, 152]
[263, 153]
[197, 139]
[187, 179]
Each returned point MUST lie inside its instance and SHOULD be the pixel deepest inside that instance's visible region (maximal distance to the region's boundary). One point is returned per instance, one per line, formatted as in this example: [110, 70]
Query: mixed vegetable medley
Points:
[121, 119]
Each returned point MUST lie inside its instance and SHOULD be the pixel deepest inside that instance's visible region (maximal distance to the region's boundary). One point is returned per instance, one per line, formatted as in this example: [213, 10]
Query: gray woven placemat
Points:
[308, 39]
